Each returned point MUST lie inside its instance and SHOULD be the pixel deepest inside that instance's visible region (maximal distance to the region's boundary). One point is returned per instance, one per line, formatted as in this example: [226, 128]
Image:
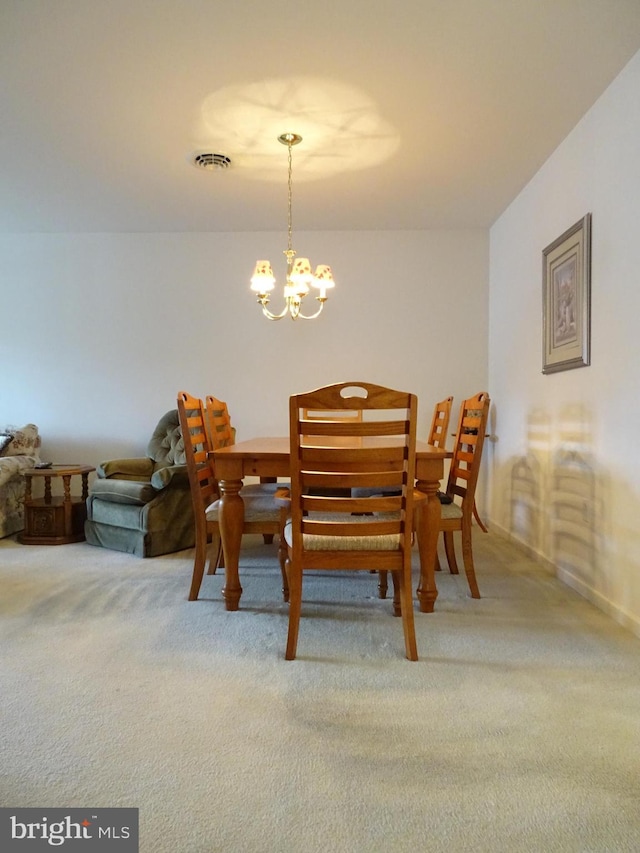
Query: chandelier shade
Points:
[299, 277]
[263, 279]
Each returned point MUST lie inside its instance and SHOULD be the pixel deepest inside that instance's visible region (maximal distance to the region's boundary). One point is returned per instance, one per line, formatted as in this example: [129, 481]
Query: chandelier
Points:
[299, 275]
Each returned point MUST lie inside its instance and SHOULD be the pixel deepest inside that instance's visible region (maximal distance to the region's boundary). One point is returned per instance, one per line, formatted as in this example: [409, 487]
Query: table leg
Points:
[231, 524]
[66, 483]
[428, 531]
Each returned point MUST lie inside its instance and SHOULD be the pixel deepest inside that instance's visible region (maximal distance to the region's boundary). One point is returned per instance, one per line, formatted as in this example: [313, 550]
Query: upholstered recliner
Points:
[143, 505]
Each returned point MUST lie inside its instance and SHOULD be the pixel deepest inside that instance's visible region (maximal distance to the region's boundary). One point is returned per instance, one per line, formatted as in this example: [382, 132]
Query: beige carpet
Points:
[518, 730]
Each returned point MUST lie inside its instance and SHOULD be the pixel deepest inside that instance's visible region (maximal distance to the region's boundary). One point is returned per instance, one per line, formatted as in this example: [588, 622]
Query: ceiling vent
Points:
[209, 161]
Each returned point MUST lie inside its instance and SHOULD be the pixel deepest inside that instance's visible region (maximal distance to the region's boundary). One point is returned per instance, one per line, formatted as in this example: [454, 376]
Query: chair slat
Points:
[350, 428]
[356, 456]
[322, 503]
[345, 528]
[355, 479]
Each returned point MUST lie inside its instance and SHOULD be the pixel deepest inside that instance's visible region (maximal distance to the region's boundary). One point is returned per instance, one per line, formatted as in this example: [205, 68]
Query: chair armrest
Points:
[175, 475]
[137, 468]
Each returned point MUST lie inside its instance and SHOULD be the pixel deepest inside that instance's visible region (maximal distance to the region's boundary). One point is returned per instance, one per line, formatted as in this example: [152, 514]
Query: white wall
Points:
[100, 331]
[565, 456]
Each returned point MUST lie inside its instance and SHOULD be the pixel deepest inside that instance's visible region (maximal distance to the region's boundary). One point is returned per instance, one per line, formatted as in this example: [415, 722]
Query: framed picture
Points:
[566, 299]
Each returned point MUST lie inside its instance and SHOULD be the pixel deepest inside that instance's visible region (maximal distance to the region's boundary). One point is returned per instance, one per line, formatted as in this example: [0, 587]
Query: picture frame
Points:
[566, 299]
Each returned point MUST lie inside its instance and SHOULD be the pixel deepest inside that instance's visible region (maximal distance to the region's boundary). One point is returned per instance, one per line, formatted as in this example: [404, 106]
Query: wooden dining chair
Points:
[440, 423]
[438, 437]
[262, 513]
[221, 433]
[218, 423]
[476, 514]
[333, 533]
[462, 481]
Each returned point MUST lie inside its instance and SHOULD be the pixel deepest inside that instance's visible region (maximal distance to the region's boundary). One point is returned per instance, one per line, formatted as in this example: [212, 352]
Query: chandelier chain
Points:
[289, 197]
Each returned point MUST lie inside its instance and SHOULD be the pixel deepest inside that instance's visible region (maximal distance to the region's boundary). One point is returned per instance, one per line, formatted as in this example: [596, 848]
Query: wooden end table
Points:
[58, 519]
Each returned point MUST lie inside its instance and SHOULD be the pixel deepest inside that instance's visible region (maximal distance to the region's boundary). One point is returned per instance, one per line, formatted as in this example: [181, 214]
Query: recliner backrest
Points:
[166, 446]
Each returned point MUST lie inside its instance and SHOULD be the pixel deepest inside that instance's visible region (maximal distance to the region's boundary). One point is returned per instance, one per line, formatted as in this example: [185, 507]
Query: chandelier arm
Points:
[317, 313]
[271, 316]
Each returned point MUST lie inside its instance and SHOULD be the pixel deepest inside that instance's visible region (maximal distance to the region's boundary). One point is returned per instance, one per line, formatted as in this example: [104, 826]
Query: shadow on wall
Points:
[554, 504]
[526, 509]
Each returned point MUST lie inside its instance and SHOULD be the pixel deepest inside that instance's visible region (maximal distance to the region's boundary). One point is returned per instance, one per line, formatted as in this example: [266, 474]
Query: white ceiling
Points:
[415, 113]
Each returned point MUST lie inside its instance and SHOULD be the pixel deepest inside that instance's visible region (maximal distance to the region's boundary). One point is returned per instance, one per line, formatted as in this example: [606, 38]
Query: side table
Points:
[55, 520]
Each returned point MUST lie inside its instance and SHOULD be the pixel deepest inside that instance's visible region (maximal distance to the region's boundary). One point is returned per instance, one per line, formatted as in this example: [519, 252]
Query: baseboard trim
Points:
[617, 613]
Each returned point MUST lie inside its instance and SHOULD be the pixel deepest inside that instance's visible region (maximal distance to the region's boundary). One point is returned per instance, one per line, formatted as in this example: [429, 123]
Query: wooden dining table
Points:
[268, 458]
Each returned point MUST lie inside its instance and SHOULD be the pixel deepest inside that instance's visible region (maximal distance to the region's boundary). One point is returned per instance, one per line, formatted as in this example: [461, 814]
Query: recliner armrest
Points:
[120, 491]
[177, 475]
[12, 466]
[136, 468]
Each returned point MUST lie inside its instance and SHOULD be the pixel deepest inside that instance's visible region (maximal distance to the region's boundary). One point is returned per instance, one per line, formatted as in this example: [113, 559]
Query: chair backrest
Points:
[218, 422]
[204, 487]
[467, 450]
[346, 454]
[440, 423]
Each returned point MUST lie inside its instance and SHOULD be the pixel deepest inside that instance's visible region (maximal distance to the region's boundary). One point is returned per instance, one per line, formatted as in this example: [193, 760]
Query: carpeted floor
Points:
[518, 729]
